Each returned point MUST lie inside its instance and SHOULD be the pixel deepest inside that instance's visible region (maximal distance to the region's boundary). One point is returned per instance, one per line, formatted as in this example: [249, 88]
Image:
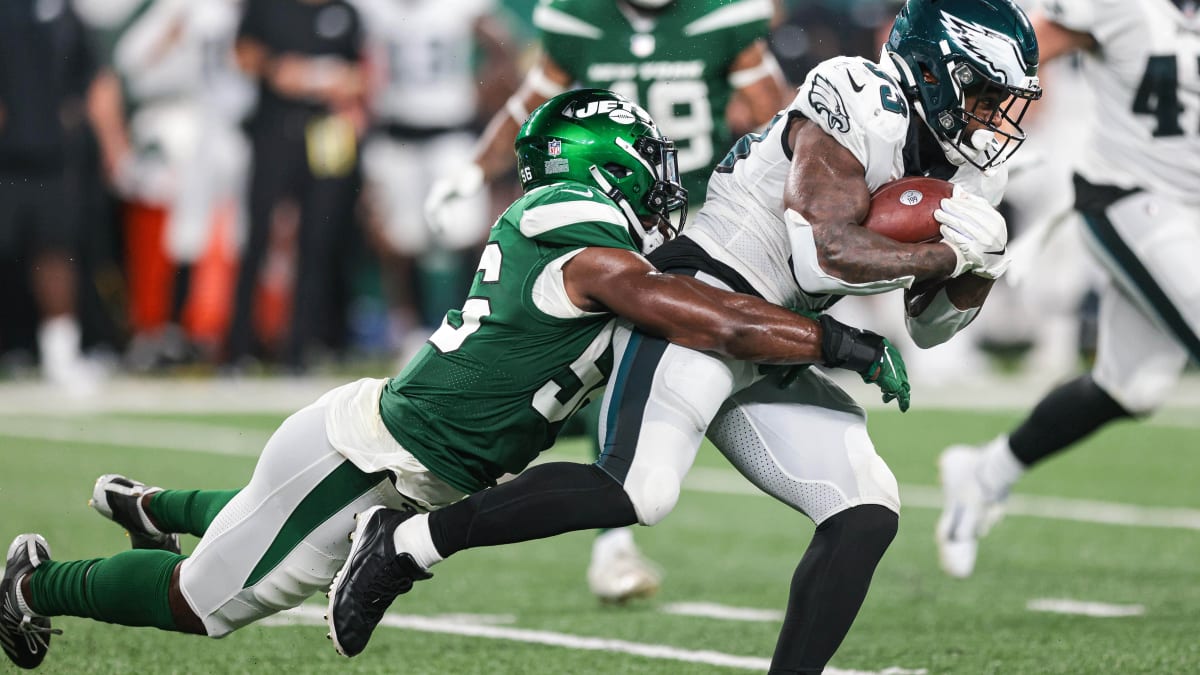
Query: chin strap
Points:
[647, 240]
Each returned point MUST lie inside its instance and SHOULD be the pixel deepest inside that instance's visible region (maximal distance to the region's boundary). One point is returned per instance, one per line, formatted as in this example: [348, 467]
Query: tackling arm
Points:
[827, 199]
[689, 312]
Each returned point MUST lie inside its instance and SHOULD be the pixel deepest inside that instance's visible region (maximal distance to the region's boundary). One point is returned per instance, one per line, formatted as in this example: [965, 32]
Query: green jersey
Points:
[495, 383]
[674, 64]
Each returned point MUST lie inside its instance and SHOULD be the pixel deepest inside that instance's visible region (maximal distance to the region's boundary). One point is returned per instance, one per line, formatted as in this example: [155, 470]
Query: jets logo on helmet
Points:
[601, 139]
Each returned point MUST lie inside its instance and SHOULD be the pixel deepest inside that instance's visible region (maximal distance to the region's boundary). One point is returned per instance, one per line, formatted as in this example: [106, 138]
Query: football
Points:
[902, 210]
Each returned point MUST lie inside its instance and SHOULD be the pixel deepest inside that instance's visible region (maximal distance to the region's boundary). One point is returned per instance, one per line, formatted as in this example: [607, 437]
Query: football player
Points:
[781, 221]
[425, 95]
[683, 62]
[1135, 187]
[530, 346]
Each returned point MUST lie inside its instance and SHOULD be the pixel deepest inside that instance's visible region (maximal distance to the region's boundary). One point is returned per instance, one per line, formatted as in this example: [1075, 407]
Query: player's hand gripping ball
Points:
[902, 210]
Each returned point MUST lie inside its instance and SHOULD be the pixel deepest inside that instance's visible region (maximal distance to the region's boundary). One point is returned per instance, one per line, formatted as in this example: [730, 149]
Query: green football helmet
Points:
[602, 139]
[950, 50]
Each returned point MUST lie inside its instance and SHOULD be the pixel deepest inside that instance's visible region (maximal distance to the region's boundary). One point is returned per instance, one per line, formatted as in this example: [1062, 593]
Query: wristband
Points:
[846, 347]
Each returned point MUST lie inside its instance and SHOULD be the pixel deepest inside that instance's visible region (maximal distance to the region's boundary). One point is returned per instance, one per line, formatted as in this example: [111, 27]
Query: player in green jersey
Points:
[530, 345]
[683, 62]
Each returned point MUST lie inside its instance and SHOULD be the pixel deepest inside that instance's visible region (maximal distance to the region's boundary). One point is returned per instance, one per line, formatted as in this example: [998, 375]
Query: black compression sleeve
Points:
[543, 501]
[1065, 415]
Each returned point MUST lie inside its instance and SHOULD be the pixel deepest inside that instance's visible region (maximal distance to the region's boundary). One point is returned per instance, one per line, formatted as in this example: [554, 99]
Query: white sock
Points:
[999, 469]
[413, 537]
[59, 344]
[608, 544]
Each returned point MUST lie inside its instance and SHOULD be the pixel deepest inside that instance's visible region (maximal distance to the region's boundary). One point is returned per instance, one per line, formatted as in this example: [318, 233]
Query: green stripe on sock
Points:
[342, 486]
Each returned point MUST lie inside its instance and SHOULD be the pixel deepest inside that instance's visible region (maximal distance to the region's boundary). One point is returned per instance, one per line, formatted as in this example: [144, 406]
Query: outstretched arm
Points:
[689, 312]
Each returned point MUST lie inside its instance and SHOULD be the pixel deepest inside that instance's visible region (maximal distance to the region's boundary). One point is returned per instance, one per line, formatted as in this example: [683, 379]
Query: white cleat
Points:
[619, 572]
[970, 510]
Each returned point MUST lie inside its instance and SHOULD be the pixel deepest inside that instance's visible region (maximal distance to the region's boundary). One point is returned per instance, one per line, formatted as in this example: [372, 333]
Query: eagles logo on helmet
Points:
[950, 50]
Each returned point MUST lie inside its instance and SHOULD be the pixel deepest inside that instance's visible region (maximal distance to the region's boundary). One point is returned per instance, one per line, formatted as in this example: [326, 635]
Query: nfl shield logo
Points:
[554, 149]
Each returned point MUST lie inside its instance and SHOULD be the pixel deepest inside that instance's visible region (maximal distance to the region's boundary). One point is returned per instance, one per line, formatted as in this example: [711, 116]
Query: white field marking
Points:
[711, 610]
[226, 440]
[314, 615]
[140, 433]
[1098, 609]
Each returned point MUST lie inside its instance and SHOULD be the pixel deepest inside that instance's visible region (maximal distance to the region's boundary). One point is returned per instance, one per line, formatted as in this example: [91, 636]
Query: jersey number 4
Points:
[566, 392]
[1158, 95]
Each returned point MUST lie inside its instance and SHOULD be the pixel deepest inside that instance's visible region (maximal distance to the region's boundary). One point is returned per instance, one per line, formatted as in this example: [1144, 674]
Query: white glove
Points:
[976, 233]
[464, 182]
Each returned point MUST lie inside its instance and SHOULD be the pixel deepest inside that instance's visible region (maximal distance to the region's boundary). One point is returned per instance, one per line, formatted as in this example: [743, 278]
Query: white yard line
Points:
[313, 614]
[709, 610]
[226, 440]
[1084, 608]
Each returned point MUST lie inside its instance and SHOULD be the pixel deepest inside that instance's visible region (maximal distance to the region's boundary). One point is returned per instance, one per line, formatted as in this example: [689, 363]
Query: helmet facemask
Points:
[648, 205]
[952, 51]
[997, 109]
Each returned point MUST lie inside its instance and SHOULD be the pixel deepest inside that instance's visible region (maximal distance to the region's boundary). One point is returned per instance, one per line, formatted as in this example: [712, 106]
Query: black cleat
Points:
[117, 498]
[374, 574]
[25, 637]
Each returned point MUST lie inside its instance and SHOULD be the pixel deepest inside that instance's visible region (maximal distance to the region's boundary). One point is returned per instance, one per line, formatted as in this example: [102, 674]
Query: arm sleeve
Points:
[939, 322]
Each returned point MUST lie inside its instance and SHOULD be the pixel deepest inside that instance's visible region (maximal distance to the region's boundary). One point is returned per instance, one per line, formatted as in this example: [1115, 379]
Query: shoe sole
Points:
[33, 555]
[99, 503]
[356, 539]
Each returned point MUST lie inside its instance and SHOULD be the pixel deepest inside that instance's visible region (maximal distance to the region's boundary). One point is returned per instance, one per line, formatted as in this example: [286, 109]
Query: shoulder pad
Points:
[860, 106]
[573, 214]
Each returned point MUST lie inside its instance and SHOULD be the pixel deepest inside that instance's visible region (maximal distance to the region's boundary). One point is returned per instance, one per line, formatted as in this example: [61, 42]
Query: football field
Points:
[1095, 570]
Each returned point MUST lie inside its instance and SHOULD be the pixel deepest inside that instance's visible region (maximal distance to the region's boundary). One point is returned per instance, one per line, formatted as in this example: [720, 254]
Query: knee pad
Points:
[653, 493]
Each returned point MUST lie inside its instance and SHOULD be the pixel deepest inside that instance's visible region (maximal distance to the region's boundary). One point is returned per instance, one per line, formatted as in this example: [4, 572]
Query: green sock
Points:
[130, 588]
[190, 511]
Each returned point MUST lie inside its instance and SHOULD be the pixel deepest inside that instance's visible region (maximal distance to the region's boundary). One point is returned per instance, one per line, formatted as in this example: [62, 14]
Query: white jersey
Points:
[858, 103]
[1145, 78]
[422, 57]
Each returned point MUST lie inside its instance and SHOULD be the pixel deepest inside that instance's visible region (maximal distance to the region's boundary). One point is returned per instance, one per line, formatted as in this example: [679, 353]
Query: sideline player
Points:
[781, 221]
[531, 345]
[425, 95]
[684, 62]
[1135, 187]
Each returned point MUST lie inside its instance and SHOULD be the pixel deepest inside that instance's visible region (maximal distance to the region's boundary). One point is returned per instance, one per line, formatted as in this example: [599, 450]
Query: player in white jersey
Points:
[782, 222]
[183, 164]
[425, 97]
[1136, 188]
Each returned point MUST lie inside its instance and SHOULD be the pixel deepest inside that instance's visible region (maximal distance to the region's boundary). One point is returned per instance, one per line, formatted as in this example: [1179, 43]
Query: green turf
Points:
[737, 550]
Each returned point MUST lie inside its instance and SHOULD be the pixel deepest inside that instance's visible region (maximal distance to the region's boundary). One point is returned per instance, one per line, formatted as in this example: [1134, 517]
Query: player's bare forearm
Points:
[689, 312]
[693, 314]
[827, 187]
[855, 254]
[494, 154]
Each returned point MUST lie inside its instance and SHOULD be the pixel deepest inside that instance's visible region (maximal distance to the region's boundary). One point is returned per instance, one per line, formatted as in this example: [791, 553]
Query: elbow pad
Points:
[939, 322]
[813, 279]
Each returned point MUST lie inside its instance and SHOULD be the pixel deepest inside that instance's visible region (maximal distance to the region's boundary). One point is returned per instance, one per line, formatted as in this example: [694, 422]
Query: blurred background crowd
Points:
[237, 186]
